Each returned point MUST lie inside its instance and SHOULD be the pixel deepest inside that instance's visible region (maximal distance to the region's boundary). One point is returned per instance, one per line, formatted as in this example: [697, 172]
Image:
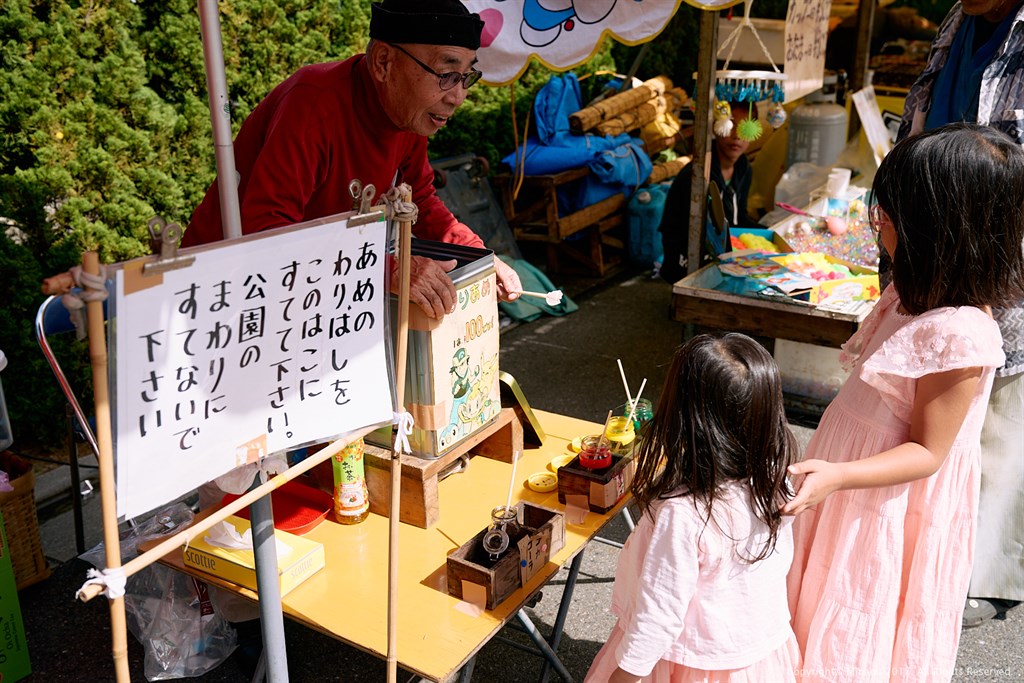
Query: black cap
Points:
[431, 22]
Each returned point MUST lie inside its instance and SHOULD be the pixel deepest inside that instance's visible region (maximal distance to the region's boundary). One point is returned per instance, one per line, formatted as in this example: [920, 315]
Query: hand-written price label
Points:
[258, 347]
[806, 33]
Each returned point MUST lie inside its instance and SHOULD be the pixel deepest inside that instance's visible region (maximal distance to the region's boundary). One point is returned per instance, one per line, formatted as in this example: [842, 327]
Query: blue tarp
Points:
[618, 163]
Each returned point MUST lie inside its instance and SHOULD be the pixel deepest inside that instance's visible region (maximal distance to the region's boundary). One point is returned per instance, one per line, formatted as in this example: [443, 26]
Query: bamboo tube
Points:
[666, 170]
[676, 99]
[111, 541]
[588, 117]
[634, 118]
[401, 352]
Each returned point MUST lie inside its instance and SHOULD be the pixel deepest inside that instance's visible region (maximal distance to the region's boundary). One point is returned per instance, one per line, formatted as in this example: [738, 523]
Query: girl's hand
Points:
[820, 479]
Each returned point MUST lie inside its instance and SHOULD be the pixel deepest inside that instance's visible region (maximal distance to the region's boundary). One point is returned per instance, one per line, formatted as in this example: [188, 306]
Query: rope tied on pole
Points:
[399, 209]
[112, 580]
[91, 288]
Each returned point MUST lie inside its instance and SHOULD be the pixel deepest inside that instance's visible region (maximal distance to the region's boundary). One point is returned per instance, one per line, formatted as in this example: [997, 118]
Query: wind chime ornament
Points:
[732, 86]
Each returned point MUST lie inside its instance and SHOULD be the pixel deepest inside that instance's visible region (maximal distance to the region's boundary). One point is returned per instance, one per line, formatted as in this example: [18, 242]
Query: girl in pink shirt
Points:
[700, 589]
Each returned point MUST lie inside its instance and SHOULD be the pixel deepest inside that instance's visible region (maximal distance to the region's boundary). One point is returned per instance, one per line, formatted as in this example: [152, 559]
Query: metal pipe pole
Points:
[220, 117]
[261, 512]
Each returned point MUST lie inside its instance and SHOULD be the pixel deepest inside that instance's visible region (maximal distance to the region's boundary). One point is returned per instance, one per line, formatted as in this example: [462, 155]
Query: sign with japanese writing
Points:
[258, 347]
[806, 33]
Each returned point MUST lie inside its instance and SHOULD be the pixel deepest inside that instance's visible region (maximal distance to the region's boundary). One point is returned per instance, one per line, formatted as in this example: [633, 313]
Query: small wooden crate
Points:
[603, 488]
[420, 507]
[542, 534]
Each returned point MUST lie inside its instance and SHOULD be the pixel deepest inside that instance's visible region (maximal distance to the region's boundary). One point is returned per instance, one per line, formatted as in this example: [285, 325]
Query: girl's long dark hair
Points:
[955, 196]
[720, 419]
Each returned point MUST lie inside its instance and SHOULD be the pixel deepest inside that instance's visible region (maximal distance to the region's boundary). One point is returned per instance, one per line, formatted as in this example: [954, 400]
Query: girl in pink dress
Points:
[891, 477]
[700, 589]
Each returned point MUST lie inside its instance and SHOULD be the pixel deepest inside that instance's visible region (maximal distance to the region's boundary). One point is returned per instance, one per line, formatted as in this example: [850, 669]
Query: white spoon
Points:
[550, 298]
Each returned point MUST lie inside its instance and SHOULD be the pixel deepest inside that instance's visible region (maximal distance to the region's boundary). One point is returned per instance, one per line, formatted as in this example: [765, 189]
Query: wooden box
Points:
[541, 534]
[695, 300]
[603, 488]
[420, 506]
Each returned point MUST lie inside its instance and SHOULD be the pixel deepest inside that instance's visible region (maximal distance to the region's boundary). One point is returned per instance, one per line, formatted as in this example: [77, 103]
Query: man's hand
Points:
[430, 288]
[821, 478]
[509, 285]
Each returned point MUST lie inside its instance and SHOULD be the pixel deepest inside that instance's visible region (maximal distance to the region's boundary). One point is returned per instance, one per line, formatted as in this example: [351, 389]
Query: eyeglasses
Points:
[447, 80]
[877, 217]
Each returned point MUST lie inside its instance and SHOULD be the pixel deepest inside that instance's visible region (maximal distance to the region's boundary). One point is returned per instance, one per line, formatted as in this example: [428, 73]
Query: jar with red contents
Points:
[595, 455]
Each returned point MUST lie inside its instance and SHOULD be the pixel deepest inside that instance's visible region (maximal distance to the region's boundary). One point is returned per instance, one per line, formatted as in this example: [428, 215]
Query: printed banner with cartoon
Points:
[562, 34]
[470, 363]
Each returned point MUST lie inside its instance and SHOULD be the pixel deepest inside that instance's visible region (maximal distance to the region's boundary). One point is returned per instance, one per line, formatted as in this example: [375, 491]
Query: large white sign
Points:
[259, 346]
[806, 34]
[875, 129]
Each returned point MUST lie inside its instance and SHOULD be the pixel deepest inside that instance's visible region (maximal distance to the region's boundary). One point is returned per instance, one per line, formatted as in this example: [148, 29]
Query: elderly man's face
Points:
[994, 10]
[412, 97]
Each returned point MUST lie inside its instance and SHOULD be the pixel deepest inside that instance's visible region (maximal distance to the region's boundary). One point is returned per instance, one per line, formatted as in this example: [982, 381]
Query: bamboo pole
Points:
[111, 541]
[666, 170]
[632, 119]
[401, 352]
[588, 117]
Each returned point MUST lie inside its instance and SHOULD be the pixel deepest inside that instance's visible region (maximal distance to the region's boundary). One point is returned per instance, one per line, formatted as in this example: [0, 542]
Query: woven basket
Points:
[18, 508]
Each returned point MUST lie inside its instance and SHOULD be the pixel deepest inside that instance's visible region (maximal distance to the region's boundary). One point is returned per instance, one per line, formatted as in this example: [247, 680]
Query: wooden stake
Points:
[111, 541]
[401, 352]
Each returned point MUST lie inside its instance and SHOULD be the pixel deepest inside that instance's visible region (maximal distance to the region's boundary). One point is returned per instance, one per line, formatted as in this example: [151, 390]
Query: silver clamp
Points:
[166, 236]
[362, 197]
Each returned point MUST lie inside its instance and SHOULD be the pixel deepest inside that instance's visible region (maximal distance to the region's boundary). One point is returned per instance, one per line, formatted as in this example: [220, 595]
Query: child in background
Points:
[732, 174]
[700, 585]
[883, 557]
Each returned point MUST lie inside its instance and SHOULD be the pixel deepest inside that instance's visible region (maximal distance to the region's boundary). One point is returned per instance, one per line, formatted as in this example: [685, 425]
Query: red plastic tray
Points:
[297, 508]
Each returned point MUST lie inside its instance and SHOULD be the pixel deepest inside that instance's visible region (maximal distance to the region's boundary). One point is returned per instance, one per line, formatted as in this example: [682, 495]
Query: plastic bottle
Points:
[351, 499]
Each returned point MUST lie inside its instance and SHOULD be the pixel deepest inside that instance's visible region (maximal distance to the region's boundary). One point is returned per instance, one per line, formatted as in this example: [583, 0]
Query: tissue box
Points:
[297, 558]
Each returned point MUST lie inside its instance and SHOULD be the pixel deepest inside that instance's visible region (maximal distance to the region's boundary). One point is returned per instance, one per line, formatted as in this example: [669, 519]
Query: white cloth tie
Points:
[112, 580]
[404, 422]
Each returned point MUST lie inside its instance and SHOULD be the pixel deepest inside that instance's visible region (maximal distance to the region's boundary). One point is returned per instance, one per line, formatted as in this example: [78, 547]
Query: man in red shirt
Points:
[366, 118]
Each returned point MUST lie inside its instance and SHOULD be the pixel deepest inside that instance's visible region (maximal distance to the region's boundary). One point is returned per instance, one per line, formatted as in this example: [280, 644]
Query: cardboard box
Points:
[297, 558]
[14, 661]
[863, 285]
[768, 234]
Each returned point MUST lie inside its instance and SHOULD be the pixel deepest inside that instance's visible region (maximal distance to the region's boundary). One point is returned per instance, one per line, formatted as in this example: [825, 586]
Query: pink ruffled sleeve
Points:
[937, 341]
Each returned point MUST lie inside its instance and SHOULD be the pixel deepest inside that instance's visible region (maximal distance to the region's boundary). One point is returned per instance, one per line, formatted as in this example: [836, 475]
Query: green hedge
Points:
[104, 124]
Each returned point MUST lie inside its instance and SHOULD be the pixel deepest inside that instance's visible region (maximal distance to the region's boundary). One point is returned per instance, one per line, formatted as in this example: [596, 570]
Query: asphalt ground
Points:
[566, 365]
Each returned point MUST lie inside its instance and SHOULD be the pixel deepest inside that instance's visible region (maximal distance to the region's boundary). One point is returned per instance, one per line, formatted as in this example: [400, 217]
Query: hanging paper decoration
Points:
[750, 86]
[562, 34]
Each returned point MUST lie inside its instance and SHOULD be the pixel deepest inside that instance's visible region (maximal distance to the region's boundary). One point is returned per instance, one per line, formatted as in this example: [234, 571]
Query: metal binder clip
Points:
[166, 236]
[355, 190]
[362, 198]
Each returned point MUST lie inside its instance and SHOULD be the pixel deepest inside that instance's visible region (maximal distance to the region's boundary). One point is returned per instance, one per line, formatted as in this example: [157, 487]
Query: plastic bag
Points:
[798, 183]
[169, 612]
